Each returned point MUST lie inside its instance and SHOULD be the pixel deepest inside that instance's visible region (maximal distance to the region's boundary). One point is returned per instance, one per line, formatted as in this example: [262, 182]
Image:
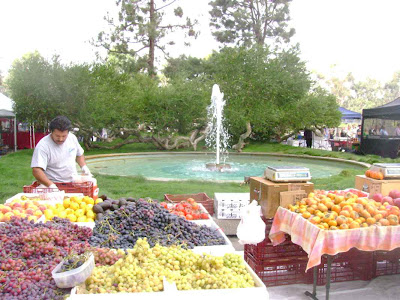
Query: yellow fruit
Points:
[98, 200]
[90, 201]
[89, 207]
[79, 212]
[48, 213]
[83, 206]
[89, 220]
[59, 206]
[66, 203]
[74, 199]
[69, 211]
[74, 206]
[62, 214]
[81, 219]
[72, 218]
[90, 214]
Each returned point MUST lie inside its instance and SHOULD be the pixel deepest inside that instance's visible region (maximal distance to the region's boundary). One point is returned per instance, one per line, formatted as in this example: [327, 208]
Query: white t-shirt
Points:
[57, 161]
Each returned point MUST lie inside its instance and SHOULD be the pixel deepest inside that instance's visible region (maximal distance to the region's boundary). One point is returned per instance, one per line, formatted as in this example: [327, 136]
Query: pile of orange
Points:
[374, 174]
[330, 211]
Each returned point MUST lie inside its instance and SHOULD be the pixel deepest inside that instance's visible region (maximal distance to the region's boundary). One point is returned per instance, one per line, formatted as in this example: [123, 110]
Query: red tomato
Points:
[190, 200]
[164, 204]
[180, 207]
[189, 217]
[195, 206]
[204, 216]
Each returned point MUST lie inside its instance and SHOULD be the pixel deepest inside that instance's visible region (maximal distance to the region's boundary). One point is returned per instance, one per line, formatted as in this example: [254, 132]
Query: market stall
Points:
[379, 130]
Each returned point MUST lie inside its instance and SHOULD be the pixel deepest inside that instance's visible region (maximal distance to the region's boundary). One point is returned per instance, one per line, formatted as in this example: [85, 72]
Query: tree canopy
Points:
[250, 22]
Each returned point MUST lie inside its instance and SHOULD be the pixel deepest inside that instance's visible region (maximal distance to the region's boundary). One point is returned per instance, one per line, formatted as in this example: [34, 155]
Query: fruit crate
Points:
[202, 198]
[386, 262]
[283, 271]
[265, 250]
[86, 188]
[347, 266]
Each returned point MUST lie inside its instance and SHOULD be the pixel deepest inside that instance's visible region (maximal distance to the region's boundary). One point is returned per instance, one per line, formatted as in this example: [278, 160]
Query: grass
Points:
[16, 172]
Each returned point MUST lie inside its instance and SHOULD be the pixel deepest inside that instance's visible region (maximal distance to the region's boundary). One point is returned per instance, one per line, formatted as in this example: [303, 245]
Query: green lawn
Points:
[15, 173]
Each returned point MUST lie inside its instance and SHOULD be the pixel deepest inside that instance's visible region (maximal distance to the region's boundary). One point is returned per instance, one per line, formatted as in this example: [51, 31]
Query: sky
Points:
[335, 36]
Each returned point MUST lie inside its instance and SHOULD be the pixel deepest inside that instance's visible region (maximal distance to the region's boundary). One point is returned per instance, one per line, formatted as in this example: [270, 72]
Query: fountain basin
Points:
[192, 165]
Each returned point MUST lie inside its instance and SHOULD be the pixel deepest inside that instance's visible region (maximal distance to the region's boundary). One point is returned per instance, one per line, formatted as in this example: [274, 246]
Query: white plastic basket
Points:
[73, 277]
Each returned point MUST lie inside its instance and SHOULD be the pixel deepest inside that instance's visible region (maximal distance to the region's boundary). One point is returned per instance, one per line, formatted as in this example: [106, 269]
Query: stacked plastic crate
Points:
[278, 265]
[386, 263]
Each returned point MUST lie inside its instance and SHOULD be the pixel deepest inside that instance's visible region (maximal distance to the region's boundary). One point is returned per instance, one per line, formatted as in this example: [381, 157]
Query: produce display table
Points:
[317, 242]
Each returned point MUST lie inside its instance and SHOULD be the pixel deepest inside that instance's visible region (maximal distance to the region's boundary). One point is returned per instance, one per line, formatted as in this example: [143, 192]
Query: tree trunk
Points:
[152, 39]
[240, 145]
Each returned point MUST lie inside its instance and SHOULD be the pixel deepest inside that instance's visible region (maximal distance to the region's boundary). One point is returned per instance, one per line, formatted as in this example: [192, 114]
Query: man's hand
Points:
[86, 170]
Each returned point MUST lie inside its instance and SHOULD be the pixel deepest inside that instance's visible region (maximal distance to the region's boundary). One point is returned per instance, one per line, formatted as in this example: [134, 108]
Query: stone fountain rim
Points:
[362, 164]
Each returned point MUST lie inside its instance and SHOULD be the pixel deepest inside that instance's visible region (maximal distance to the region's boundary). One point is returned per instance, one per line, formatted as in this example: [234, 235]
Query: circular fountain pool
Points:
[193, 166]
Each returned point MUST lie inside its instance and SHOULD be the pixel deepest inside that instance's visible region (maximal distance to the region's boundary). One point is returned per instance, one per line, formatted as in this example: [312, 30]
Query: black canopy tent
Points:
[387, 116]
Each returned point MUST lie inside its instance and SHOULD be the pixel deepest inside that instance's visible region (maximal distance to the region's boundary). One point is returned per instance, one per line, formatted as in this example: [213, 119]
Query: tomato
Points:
[180, 207]
[204, 216]
[189, 217]
[190, 200]
[164, 204]
[195, 206]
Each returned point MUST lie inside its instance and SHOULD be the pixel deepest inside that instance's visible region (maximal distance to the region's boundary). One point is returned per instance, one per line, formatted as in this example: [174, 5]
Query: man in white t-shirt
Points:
[55, 155]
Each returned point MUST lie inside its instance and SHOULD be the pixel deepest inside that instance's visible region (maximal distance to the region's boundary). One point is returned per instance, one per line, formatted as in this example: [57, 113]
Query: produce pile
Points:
[121, 228]
[188, 209]
[144, 267]
[32, 210]
[31, 251]
[332, 211]
[76, 209]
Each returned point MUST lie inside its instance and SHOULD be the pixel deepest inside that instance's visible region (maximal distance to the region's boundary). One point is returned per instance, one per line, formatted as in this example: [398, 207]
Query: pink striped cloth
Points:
[316, 241]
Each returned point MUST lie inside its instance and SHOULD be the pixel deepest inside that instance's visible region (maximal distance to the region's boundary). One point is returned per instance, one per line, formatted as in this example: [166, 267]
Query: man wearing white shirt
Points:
[55, 155]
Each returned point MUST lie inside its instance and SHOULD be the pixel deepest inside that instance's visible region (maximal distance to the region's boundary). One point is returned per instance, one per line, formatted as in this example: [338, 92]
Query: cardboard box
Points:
[291, 197]
[228, 205]
[267, 193]
[374, 186]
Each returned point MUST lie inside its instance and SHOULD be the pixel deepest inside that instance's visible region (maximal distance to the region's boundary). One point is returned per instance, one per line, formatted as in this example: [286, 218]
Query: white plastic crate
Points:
[228, 205]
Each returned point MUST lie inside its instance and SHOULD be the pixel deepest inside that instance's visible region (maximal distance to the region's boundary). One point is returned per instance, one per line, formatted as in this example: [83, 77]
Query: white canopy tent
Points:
[6, 111]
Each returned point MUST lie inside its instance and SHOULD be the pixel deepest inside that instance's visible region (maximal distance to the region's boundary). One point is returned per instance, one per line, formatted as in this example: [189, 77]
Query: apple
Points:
[397, 202]
[17, 204]
[7, 216]
[29, 211]
[394, 194]
[378, 197]
[42, 207]
[38, 213]
[388, 199]
[5, 209]
[16, 212]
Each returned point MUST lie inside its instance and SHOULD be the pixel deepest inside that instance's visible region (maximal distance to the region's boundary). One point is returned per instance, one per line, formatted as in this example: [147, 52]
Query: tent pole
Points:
[15, 133]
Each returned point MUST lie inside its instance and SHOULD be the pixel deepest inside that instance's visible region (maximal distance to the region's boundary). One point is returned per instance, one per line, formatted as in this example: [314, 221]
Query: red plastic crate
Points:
[386, 262]
[202, 198]
[347, 266]
[266, 250]
[85, 188]
[290, 270]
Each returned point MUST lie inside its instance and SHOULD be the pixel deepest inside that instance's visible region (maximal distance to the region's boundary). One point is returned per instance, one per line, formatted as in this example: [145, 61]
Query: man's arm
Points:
[82, 163]
[40, 176]
[81, 160]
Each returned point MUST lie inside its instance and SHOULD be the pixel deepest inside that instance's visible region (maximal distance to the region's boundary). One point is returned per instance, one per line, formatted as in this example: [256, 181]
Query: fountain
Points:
[217, 136]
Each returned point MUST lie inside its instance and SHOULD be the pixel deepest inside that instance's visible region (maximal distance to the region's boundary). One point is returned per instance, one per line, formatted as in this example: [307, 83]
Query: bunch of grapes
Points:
[31, 251]
[73, 261]
[122, 228]
[105, 256]
[143, 270]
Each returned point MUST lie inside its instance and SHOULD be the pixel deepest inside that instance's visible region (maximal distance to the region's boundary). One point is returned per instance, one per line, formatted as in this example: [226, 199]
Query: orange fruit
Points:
[354, 215]
[344, 226]
[311, 210]
[333, 228]
[384, 222]
[354, 224]
[364, 213]
[378, 217]
[336, 208]
[371, 221]
[364, 225]
[347, 207]
[341, 220]
[332, 223]
[315, 220]
[306, 215]
[393, 220]
[322, 207]
[320, 226]
[345, 213]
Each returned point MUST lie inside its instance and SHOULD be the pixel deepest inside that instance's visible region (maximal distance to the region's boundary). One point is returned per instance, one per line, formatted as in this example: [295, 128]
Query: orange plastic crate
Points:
[202, 198]
[85, 188]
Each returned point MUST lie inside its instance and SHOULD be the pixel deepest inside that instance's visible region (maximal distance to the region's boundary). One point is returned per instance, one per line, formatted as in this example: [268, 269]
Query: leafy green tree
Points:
[392, 88]
[250, 22]
[267, 93]
[141, 26]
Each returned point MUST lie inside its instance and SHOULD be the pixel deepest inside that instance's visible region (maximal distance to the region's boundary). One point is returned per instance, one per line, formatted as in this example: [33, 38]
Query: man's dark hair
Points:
[61, 123]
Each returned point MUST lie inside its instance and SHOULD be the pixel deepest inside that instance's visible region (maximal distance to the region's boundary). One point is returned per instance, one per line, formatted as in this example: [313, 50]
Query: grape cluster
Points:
[105, 256]
[121, 229]
[143, 269]
[29, 252]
